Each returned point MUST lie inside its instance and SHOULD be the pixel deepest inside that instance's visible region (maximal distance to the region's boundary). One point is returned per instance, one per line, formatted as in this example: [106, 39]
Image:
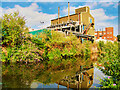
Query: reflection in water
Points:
[31, 76]
[82, 79]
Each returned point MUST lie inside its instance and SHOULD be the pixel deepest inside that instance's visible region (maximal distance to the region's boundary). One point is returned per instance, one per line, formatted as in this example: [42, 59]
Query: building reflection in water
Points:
[82, 79]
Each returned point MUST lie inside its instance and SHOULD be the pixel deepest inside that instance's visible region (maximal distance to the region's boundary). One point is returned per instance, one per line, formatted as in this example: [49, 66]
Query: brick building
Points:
[107, 34]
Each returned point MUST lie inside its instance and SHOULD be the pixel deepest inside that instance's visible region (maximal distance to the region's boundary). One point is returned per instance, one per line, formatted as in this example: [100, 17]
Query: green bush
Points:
[110, 60]
[13, 29]
[18, 45]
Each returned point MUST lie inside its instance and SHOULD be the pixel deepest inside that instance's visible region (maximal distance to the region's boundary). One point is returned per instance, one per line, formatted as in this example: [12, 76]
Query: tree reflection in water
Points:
[24, 76]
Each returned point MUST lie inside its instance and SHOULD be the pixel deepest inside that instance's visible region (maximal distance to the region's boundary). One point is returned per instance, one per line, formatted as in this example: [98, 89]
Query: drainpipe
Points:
[106, 33]
[79, 18]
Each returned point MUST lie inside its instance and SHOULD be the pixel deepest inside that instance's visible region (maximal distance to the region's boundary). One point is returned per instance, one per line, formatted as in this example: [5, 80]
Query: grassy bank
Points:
[49, 47]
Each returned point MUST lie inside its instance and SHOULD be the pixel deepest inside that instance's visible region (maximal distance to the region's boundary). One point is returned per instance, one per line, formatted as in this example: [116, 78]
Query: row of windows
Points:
[104, 33]
[109, 37]
[109, 33]
[104, 37]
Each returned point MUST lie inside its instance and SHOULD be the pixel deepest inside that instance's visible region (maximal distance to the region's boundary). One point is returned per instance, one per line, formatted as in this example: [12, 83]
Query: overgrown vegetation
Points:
[54, 50]
[48, 47]
[59, 46]
[109, 57]
[16, 41]
[13, 29]
[118, 37]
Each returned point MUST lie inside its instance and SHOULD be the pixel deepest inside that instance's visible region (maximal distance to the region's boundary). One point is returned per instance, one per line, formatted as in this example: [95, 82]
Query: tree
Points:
[118, 37]
[13, 29]
[0, 31]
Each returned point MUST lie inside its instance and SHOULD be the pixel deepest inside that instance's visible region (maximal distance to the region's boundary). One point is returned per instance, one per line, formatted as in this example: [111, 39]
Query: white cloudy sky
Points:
[105, 13]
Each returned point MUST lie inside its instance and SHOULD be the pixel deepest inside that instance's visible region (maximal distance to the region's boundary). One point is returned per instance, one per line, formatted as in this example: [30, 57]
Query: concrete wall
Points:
[109, 33]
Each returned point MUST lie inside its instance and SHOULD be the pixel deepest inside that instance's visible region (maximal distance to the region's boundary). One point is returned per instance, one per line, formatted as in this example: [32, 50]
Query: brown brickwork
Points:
[107, 34]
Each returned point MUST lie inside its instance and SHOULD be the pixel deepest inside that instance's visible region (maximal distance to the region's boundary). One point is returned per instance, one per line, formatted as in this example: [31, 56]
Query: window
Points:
[104, 33]
[90, 20]
[107, 37]
[82, 77]
[89, 81]
[110, 32]
[107, 32]
[100, 33]
[83, 27]
[95, 33]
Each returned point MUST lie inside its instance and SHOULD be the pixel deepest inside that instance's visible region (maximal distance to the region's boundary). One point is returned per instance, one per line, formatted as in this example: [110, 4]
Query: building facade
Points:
[107, 34]
[81, 22]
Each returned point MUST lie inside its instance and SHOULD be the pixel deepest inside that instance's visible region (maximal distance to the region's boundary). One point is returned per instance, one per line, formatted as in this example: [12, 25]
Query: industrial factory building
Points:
[81, 23]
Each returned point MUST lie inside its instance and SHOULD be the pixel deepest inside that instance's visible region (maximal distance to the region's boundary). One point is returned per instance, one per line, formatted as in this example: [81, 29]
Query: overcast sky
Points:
[105, 13]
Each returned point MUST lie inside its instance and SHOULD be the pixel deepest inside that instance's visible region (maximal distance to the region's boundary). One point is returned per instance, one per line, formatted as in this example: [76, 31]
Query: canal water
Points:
[32, 76]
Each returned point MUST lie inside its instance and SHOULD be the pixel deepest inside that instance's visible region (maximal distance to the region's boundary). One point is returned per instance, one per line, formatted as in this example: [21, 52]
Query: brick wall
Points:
[107, 34]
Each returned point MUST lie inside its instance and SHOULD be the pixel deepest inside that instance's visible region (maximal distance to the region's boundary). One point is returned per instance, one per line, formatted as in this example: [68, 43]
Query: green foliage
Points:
[49, 45]
[18, 44]
[109, 58]
[13, 29]
[27, 52]
[0, 31]
[118, 37]
[58, 46]
[109, 83]
[37, 42]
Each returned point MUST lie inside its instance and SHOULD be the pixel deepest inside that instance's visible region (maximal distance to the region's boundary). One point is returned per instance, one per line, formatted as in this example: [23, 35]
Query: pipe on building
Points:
[58, 15]
[79, 18]
[68, 12]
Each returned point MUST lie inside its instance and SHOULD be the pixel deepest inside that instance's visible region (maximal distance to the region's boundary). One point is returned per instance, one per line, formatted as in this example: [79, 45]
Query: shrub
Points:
[13, 29]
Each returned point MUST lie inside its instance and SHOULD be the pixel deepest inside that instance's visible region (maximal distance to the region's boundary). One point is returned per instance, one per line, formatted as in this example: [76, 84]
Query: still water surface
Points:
[31, 76]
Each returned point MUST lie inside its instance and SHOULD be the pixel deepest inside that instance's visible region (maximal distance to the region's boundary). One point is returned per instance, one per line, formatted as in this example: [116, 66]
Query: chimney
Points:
[68, 12]
[58, 14]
